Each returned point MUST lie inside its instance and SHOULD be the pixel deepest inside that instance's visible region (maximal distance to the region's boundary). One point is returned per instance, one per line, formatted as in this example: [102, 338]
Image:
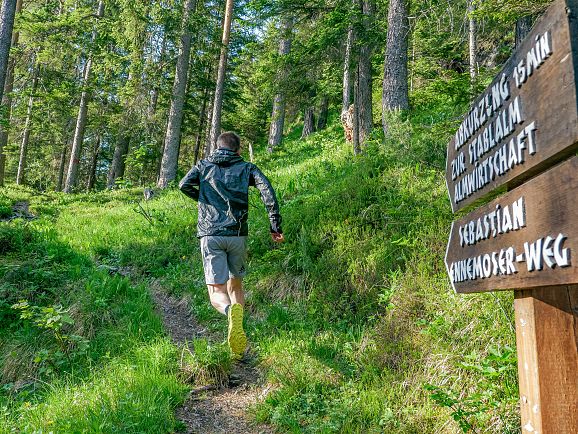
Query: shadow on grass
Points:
[84, 350]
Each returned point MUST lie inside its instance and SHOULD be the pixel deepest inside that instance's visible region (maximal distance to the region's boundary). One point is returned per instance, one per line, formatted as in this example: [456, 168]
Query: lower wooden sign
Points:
[524, 239]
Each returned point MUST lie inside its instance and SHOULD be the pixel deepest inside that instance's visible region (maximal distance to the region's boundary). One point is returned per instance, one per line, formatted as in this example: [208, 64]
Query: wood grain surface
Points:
[547, 343]
[547, 98]
[551, 209]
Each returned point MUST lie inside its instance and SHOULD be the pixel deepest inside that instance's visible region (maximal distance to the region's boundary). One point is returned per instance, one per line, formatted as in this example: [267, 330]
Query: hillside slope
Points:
[353, 320]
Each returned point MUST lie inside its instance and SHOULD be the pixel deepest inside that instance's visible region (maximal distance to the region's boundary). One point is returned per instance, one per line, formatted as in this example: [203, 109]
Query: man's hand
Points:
[278, 238]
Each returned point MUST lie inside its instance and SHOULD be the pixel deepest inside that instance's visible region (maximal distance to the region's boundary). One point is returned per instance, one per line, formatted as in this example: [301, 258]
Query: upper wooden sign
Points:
[527, 119]
[525, 239]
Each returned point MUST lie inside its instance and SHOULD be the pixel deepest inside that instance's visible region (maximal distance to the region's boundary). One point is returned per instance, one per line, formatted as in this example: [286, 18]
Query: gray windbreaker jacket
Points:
[221, 186]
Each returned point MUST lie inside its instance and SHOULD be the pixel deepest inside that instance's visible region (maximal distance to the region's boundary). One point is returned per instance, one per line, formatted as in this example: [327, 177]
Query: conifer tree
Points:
[395, 77]
[222, 71]
[82, 117]
[170, 157]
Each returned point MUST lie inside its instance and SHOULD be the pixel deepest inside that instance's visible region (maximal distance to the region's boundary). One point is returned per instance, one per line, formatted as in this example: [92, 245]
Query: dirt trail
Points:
[211, 411]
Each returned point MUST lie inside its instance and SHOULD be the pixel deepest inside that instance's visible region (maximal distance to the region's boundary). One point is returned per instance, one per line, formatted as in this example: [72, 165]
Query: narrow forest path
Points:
[207, 411]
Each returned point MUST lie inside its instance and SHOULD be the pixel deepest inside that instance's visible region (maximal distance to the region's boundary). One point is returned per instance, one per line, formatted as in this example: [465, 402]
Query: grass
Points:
[353, 319]
[81, 351]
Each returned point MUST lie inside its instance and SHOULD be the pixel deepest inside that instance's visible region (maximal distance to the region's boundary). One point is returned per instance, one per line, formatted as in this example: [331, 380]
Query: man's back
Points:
[224, 179]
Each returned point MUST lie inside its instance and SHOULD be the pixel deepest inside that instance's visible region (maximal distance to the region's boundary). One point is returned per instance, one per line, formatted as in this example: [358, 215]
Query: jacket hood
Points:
[224, 157]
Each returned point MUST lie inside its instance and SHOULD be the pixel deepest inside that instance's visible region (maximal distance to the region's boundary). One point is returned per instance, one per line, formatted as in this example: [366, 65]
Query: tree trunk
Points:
[355, 118]
[523, 27]
[81, 119]
[118, 160]
[170, 160]
[347, 71]
[251, 152]
[323, 113]
[473, 41]
[208, 145]
[278, 114]
[93, 164]
[395, 78]
[363, 96]
[308, 122]
[118, 164]
[202, 122]
[27, 125]
[218, 104]
[152, 112]
[7, 99]
[7, 15]
[277, 122]
[61, 167]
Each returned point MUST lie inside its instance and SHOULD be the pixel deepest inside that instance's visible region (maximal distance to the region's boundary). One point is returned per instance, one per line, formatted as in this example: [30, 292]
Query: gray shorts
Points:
[223, 258]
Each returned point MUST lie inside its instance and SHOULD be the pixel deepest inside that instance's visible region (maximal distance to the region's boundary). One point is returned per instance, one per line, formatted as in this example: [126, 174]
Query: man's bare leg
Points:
[235, 290]
[219, 297]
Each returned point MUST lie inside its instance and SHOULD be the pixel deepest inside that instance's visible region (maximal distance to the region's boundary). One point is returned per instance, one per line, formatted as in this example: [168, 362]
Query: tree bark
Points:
[473, 38]
[170, 160]
[363, 95]
[323, 113]
[347, 71]
[118, 160]
[218, 103]
[355, 118]
[202, 122]
[251, 152]
[93, 163]
[208, 145]
[278, 114]
[27, 125]
[81, 119]
[152, 114]
[61, 167]
[308, 122]
[7, 15]
[395, 77]
[277, 122]
[7, 99]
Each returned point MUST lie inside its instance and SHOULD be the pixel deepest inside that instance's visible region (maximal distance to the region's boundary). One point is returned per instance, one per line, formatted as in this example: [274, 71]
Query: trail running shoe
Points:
[236, 337]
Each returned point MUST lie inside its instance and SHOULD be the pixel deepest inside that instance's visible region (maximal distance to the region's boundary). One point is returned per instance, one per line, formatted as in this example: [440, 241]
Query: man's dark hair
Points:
[230, 141]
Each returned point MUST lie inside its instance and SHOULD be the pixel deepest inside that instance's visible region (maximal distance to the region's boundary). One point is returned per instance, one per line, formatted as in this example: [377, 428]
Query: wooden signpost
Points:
[525, 121]
[520, 138]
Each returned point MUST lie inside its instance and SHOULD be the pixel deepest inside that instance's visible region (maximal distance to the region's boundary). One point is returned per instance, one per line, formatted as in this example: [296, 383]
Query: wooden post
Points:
[547, 342]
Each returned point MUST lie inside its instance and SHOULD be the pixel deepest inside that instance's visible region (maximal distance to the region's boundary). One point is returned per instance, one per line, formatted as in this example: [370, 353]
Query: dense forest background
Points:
[114, 93]
[348, 106]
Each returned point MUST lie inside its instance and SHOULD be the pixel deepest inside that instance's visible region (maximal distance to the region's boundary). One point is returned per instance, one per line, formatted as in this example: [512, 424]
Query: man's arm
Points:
[188, 183]
[259, 180]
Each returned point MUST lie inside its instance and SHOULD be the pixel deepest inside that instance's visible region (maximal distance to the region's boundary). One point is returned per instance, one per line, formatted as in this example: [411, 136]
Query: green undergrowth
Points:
[81, 350]
[352, 319]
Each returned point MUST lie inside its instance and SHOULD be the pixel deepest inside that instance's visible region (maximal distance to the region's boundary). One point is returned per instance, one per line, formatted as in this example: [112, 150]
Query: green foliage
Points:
[52, 320]
[5, 206]
[350, 318]
[496, 392]
[80, 350]
[207, 364]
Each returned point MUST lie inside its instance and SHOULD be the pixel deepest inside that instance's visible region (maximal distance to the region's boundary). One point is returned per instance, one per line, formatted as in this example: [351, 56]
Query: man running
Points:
[223, 181]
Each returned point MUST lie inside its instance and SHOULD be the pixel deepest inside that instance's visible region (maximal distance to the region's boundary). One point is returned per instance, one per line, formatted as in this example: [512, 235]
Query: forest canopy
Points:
[112, 93]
